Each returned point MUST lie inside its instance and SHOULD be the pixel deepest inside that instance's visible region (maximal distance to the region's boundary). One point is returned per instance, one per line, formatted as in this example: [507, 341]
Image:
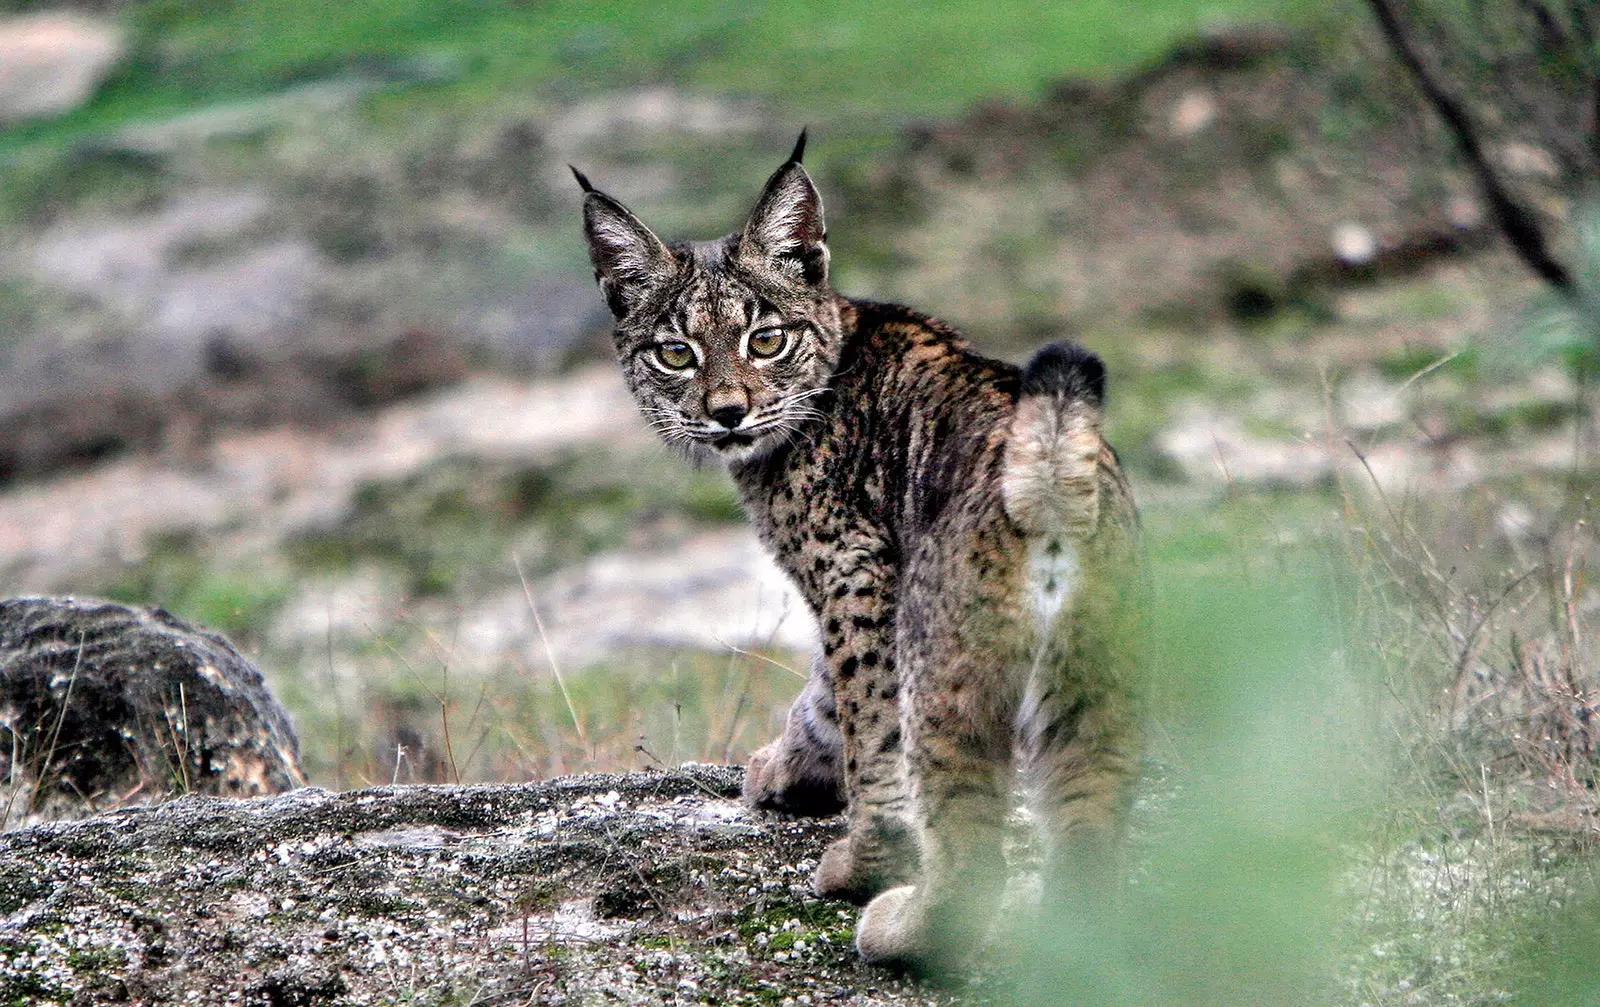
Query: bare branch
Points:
[1594, 124]
[1581, 20]
[1552, 33]
[1519, 224]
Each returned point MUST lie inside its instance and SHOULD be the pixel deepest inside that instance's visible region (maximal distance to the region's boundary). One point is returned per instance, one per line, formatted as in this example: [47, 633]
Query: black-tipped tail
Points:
[1067, 370]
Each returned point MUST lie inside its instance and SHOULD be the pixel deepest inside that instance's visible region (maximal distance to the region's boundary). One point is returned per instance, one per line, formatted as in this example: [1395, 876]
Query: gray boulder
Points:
[103, 705]
[651, 888]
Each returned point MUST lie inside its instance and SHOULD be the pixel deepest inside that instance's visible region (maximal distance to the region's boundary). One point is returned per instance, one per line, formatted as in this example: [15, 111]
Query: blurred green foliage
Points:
[1562, 327]
[456, 520]
[887, 59]
[1253, 689]
[1294, 850]
[185, 578]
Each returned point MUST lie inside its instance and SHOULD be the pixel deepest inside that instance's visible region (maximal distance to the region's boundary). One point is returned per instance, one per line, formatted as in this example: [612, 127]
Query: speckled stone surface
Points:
[643, 888]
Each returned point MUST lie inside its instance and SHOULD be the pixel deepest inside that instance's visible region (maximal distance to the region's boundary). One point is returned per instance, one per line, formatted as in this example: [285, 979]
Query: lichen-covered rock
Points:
[103, 705]
[648, 888]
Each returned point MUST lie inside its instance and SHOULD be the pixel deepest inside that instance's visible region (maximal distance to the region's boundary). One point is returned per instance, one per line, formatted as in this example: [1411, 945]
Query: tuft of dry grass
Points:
[1476, 610]
[535, 718]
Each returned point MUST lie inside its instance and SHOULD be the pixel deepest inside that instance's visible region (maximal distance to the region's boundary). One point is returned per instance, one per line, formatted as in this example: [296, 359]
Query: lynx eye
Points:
[675, 356]
[768, 343]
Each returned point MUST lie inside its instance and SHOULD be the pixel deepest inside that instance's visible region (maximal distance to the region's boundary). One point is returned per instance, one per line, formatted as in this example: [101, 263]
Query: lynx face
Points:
[725, 344]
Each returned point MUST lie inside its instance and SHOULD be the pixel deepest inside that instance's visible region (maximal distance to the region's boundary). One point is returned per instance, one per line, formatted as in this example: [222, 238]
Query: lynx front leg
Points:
[802, 773]
[858, 640]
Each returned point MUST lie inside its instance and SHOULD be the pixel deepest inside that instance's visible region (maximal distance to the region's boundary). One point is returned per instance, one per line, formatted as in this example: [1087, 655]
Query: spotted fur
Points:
[959, 527]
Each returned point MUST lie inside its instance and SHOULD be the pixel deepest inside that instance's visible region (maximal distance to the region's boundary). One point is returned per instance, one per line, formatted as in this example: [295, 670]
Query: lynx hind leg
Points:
[934, 926]
[1081, 758]
[1064, 490]
[959, 772]
[801, 773]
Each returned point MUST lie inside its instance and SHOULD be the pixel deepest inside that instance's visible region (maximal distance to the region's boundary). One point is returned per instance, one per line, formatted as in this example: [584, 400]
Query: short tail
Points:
[1051, 481]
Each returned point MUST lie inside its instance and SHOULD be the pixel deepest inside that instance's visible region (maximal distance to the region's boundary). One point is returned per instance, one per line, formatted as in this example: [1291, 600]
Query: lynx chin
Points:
[961, 531]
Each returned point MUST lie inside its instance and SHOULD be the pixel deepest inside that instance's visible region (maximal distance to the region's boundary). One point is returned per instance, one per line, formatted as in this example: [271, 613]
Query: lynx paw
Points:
[890, 931]
[844, 874]
[781, 779]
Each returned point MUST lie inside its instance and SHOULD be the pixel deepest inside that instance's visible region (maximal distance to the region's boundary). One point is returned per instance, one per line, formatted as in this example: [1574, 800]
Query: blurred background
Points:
[298, 340]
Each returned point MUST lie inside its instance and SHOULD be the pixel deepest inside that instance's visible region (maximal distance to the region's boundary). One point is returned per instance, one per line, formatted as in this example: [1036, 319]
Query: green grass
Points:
[822, 60]
[184, 578]
[455, 522]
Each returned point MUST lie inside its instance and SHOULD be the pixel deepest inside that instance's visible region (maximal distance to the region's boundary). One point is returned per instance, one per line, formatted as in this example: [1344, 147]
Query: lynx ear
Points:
[629, 260]
[786, 230]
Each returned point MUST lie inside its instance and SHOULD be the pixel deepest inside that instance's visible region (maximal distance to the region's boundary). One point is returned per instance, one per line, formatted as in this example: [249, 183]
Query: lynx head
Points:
[726, 344]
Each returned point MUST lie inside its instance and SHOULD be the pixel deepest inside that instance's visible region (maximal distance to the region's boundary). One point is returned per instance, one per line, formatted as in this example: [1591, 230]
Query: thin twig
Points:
[55, 733]
[1408, 382]
[759, 657]
[549, 653]
[1519, 224]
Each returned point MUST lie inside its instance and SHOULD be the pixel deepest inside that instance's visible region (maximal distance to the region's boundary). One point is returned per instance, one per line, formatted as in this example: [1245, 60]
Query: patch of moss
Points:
[814, 916]
[377, 905]
[540, 896]
[460, 518]
[783, 940]
[638, 895]
[178, 574]
[138, 894]
[29, 990]
[19, 887]
[96, 960]
[659, 941]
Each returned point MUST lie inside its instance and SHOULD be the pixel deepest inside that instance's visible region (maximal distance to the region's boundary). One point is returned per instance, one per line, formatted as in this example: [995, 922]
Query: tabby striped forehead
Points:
[715, 300]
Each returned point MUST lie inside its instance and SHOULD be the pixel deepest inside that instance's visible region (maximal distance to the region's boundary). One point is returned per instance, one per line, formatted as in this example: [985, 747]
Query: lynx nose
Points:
[729, 416]
[728, 406]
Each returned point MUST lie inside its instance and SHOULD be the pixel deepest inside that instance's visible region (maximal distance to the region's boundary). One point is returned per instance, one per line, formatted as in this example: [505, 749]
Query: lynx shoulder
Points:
[959, 527]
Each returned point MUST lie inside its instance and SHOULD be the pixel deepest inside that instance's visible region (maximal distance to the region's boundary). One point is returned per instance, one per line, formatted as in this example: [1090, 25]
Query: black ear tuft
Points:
[629, 260]
[583, 180]
[799, 152]
[1068, 370]
[786, 230]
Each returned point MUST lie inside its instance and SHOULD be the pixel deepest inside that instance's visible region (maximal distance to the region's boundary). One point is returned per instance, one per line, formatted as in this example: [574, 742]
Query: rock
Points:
[646, 888]
[1368, 403]
[52, 63]
[1353, 244]
[1194, 110]
[103, 705]
[1216, 448]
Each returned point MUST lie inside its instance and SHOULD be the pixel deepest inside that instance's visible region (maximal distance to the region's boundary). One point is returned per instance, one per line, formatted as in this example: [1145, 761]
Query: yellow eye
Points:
[768, 342]
[675, 356]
